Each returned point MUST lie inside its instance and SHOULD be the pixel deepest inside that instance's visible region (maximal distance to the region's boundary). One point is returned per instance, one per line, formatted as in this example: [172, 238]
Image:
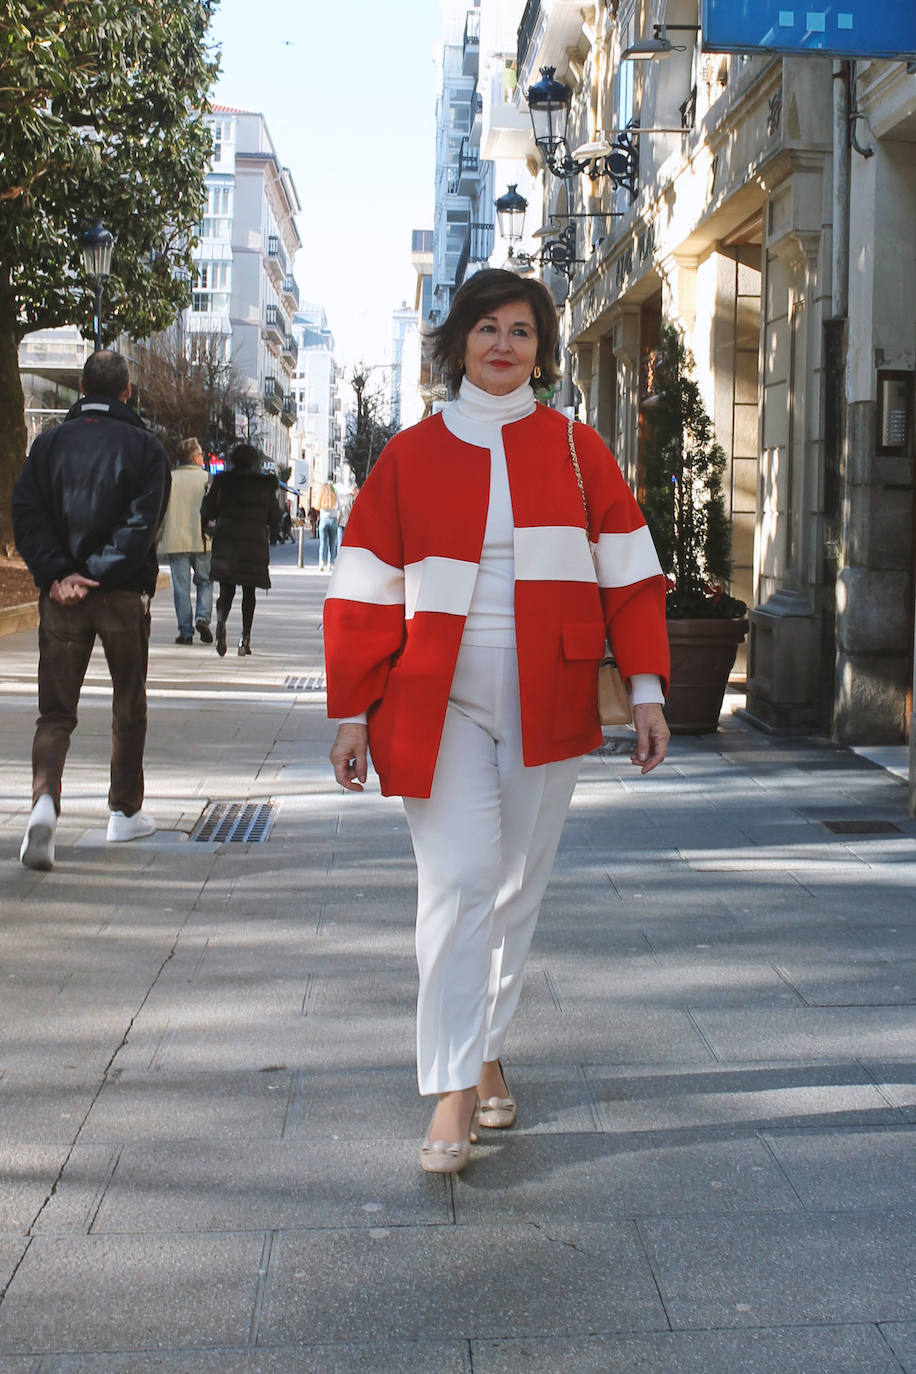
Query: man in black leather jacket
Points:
[86, 509]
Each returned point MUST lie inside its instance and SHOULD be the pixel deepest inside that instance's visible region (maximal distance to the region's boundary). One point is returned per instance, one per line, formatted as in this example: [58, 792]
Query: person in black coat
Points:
[86, 509]
[241, 506]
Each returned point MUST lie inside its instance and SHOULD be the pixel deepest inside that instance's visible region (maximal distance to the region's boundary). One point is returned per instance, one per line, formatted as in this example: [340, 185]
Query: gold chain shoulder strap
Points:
[575, 462]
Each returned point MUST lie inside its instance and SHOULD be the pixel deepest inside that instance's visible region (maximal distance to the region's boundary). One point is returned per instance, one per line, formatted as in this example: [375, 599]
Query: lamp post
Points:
[549, 101]
[96, 248]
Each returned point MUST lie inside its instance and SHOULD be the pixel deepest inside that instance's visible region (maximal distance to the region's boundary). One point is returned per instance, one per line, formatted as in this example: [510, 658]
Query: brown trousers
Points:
[66, 635]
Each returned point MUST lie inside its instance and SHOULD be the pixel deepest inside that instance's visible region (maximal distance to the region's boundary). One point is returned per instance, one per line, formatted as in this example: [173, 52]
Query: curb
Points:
[16, 618]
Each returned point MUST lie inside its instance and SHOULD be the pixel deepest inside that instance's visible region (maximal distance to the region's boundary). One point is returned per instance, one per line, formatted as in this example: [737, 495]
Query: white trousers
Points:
[485, 842]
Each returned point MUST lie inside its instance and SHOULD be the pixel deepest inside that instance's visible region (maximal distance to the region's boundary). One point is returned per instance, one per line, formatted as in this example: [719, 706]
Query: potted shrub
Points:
[684, 505]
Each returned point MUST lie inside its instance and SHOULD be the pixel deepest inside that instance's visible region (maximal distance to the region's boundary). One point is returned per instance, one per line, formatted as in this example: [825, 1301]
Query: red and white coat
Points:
[405, 575]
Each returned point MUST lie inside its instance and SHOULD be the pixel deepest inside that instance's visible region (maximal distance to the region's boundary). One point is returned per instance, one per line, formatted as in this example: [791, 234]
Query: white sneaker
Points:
[37, 850]
[121, 827]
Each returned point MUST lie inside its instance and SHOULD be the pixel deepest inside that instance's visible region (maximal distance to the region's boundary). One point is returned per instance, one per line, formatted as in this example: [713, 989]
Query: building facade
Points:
[244, 290]
[463, 227]
[768, 216]
[317, 436]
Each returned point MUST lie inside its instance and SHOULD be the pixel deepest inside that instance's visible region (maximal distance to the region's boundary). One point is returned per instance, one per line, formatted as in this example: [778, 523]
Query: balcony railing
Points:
[290, 346]
[291, 288]
[275, 323]
[275, 252]
[477, 247]
[273, 395]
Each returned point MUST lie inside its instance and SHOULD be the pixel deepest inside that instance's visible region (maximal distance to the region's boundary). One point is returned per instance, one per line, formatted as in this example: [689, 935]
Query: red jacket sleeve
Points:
[364, 610]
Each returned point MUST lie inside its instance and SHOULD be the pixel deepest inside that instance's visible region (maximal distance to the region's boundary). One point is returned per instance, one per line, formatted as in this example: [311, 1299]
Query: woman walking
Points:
[328, 527]
[464, 626]
[242, 507]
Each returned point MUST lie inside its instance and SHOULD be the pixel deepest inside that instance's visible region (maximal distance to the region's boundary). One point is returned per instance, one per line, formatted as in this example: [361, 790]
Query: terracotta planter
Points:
[702, 656]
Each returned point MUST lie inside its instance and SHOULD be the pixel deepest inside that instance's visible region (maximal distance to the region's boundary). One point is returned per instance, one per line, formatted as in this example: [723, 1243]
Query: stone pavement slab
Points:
[108, 1292]
[783, 1270]
[901, 1337]
[859, 1170]
[369, 1357]
[799, 1350]
[445, 1283]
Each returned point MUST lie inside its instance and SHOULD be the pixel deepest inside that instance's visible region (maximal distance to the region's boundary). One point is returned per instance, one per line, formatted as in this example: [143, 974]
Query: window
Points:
[626, 73]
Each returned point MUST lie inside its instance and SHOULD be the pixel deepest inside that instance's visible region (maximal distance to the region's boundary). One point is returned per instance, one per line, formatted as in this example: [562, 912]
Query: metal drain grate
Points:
[236, 822]
[306, 682]
[863, 827]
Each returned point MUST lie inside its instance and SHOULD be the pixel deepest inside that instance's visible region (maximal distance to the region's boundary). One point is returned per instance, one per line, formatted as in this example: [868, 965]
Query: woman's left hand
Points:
[652, 736]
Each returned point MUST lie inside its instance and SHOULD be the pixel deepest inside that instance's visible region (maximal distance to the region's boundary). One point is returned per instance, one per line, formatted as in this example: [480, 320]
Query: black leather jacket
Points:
[91, 497]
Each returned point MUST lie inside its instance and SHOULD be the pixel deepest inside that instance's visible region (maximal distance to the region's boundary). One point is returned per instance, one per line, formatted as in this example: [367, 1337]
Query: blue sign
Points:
[829, 28]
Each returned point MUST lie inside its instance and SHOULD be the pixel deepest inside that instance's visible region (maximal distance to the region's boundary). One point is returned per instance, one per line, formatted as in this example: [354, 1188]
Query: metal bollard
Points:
[301, 559]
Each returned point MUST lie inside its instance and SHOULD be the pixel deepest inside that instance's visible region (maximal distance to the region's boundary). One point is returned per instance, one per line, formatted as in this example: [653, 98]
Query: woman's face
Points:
[501, 348]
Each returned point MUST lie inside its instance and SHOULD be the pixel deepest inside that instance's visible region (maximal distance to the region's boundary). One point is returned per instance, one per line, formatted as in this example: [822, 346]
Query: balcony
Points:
[274, 325]
[471, 45]
[276, 258]
[273, 396]
[291, 289]
[290, 349]
[477, 247]
[468, 171]
[289, 411]
[549, 30]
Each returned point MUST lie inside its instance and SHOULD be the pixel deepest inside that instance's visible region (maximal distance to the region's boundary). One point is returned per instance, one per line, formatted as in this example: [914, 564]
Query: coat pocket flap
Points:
[583, 641]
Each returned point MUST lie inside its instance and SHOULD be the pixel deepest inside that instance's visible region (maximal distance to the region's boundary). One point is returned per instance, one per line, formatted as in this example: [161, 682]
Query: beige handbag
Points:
[615, 704]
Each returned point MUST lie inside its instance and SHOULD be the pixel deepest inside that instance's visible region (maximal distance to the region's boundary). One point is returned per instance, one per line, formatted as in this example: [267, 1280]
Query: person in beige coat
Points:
[185, 546]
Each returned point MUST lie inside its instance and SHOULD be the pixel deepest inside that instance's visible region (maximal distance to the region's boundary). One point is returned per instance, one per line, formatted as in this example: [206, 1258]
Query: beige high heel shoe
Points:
[440, 1157]
[497, 1113]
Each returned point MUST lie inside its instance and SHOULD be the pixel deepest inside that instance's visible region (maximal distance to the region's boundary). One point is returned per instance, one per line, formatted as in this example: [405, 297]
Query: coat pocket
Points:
[583, 641]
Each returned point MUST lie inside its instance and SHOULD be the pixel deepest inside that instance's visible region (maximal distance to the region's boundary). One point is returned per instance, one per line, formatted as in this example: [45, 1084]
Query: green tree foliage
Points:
[367, 435]
[683, 500]
[101, 108]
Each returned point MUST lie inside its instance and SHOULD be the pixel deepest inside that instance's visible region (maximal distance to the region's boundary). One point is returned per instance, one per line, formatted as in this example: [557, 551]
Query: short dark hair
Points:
[480, 295]
[105, 374]
[245, 457]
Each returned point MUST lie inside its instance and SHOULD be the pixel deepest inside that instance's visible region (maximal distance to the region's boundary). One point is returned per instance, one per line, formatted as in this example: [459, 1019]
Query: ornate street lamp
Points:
[96, 247]
[548, 105]
[510, 214]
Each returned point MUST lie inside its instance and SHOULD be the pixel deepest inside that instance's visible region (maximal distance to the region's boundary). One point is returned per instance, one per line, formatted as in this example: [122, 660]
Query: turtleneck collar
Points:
[473, 403]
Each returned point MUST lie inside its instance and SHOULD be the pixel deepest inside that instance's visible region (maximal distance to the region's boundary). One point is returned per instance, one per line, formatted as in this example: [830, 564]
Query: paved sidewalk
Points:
[208, 1113]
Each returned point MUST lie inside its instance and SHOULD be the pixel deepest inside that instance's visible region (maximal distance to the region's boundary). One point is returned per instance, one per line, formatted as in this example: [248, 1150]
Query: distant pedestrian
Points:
[183, 543]
[328, 533]
[86, 510]
[464, 626]
[345, 498]
[242, 508]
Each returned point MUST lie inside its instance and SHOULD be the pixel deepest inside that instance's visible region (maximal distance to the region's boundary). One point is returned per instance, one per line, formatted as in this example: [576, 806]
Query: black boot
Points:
[244, 646]
[220, 636]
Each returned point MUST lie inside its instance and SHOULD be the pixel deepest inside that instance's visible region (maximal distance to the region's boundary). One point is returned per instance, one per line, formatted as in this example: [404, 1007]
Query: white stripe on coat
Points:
[627, 558]
[439, 584]
[360, 576]
[553, 553]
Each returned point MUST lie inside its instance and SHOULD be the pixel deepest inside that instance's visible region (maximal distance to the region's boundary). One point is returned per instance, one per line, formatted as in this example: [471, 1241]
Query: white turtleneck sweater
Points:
[477, 417]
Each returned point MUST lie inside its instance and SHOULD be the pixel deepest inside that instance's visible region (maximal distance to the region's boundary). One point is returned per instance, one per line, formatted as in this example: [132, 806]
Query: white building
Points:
[244, 290]
[464, 216]
[317, 436]
[406, 405]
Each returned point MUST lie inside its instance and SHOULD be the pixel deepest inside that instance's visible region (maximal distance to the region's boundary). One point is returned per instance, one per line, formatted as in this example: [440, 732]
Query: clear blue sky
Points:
[349, 94]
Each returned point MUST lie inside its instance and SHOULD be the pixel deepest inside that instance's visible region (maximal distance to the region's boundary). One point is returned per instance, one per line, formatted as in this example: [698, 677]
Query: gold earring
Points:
[461, 367]
[537, 374]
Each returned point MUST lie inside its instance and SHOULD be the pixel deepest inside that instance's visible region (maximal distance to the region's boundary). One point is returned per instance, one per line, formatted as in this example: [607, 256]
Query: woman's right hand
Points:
[349, 756]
